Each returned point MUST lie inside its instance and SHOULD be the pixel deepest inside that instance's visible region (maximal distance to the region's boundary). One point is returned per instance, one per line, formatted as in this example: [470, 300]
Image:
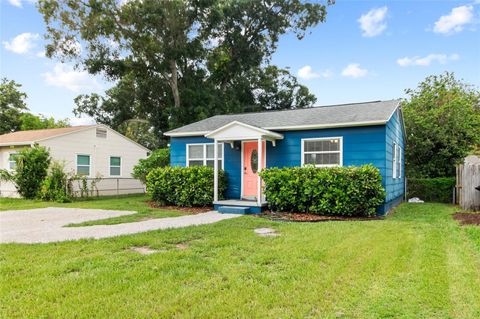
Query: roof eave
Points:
[288, 128]
[17, 143]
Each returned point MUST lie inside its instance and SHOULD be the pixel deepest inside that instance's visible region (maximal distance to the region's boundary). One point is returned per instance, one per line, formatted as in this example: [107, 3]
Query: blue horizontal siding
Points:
[394, 133]
[361, 145]
[232, 165]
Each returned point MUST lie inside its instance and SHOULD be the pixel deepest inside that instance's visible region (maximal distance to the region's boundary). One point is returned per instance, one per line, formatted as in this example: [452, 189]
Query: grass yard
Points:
[136, 203]
[417, 263]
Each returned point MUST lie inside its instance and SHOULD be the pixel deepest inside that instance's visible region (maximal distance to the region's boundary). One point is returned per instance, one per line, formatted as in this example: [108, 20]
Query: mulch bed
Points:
[467, 218]
[311, 218]
[186, 210]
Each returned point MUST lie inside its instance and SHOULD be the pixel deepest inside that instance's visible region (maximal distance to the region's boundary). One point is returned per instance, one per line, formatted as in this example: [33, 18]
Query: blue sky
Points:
[366, 50]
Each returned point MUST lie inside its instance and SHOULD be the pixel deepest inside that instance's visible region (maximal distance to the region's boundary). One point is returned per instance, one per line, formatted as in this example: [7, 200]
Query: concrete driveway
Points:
[45, 225]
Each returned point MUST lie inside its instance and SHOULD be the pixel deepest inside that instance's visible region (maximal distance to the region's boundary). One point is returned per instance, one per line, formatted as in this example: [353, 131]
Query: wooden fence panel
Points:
[468, 178]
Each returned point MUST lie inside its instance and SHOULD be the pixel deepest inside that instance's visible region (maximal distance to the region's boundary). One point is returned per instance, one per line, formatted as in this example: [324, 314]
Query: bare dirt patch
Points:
[181, 246]
[144, 250]
[186, 210]
[266, 232]
[303, 217]
[467, 218]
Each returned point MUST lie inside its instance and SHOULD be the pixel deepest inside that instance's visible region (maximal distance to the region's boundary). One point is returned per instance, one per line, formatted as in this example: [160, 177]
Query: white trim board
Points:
[288, 128]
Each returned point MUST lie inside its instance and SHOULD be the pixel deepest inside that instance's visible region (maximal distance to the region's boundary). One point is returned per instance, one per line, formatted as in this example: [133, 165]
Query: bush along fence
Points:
[184, 186]
[340, 191]
[438, 189]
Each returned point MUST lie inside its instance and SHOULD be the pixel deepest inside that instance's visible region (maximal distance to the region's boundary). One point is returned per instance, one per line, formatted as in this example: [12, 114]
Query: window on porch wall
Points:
[203, 155]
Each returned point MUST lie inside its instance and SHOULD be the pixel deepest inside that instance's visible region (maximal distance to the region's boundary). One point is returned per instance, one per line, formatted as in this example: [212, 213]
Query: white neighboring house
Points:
[91, 151]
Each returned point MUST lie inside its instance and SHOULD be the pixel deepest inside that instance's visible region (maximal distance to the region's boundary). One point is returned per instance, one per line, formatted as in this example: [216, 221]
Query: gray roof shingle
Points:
[376, 112]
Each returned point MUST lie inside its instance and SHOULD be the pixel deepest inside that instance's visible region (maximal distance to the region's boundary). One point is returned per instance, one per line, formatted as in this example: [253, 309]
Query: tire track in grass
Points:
[464, 274]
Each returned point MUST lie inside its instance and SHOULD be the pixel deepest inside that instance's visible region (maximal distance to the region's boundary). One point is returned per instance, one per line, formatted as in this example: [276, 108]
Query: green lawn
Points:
[417, 263]
[136, 203]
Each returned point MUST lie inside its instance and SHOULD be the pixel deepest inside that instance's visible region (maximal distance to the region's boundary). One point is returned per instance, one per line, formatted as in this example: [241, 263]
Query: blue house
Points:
[336, 135]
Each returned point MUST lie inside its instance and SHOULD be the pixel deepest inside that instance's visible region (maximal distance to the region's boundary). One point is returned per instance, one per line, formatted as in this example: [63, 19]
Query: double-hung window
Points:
[394, 160]
[115, 165]
[83, 165]
[322, 152]
[399, 161]
[12, 164]
[203, 154]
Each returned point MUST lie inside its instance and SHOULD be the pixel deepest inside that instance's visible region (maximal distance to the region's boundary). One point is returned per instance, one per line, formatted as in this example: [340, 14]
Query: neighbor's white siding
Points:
[7, 189]
[66, 148]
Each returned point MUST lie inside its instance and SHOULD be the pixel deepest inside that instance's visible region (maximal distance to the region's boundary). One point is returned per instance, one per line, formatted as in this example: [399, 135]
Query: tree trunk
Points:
[174, 83]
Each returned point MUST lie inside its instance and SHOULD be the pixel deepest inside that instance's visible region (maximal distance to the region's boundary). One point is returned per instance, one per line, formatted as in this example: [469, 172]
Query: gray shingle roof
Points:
[375, 113]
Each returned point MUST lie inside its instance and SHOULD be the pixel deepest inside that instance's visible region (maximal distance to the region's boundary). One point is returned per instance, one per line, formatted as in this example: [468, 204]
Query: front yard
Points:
[138, 203]
[417, 263]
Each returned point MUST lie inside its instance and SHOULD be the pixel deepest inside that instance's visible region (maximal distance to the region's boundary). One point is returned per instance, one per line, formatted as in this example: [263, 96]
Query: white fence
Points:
[468, 180]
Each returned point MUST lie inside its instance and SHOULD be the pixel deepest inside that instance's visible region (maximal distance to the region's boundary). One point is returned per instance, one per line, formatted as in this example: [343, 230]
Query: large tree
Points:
[12, 104]
[442, 119]
[13, 111]
[174, 62]
[31, 121]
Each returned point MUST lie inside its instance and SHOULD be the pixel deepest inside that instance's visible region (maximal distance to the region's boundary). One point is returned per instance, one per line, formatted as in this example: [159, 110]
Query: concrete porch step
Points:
[233, 209]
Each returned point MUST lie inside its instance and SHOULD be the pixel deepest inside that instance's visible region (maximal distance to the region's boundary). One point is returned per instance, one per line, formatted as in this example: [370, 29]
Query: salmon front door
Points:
[250, 168]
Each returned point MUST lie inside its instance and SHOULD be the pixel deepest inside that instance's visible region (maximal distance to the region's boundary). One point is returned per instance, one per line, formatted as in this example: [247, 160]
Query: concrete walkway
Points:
[45, 225]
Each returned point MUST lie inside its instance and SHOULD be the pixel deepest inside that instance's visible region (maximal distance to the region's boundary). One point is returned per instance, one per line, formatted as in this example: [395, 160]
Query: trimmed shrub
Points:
[340, 191]
[158, 158]
[438, 189]
[31, 170]
[184, 186]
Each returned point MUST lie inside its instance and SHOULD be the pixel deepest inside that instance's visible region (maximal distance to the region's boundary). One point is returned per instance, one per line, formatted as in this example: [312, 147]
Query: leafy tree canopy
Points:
[30, 121]
[175, 62]
[442, 119]
[13, 111]
[12, 104]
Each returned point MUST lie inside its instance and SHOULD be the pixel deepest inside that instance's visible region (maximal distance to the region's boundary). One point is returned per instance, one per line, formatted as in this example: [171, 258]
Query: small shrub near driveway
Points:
[57, 186]
[184, 186]
[31, 169]
[340, 191]
[158, 158]
[431, 189]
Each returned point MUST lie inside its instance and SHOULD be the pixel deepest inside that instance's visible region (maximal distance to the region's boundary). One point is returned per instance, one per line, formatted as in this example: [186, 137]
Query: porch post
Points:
[259, 169]
[215, 171]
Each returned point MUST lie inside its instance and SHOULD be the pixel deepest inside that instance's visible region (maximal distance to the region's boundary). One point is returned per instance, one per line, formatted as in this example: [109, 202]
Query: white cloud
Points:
[427, 60]
[65, 76]
[22, 43]
[77, 121]
[455, 21]
[16, 3]
[40, 54]
[373, 22]
[307, 73]
[353, 70]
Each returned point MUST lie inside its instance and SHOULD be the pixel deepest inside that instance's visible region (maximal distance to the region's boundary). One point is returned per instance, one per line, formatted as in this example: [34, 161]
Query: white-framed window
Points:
[399, 155]
[394, 160]
[202, 154]
[115, 166]
[322, 152]
[83, 164]
[12, 164]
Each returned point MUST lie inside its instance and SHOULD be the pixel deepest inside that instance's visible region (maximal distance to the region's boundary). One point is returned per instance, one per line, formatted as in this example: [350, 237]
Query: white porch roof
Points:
[236, 130]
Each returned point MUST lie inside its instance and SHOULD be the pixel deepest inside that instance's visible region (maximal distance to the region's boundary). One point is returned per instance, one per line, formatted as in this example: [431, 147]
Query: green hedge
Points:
[341, 191]
[438, 189]
[184, 186]
[158, 158]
